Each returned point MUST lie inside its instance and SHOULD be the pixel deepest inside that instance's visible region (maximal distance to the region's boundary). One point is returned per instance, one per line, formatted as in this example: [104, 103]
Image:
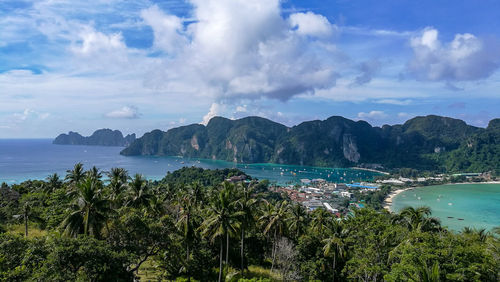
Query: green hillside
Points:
[430, 142]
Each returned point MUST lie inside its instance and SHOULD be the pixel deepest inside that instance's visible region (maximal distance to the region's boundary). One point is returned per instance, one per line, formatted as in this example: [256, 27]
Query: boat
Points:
[460, 219]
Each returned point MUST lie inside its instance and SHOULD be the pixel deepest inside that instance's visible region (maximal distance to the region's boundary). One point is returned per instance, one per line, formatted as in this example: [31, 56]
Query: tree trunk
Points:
[242, 248]
[227, 248]
[187, 262]
[274, 250]
[220, 258]
[334, 256]
[26, 225]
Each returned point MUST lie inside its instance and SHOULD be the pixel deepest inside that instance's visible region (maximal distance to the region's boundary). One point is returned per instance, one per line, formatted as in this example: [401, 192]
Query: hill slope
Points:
[421, 142]
[101, 137]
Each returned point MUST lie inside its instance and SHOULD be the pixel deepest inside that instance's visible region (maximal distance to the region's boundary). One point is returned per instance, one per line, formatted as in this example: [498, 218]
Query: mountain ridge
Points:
[423, 142]
[100, 137]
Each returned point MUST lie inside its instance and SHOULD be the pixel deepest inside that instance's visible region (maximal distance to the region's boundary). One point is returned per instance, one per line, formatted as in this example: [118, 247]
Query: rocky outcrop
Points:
[336, 141]
[101, 137]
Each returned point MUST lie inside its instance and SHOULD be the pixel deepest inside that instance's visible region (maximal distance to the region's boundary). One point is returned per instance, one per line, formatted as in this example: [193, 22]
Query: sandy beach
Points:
[390, 197]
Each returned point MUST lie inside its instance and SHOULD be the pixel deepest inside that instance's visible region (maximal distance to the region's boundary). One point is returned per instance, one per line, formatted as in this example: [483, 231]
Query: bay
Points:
[23, 159]
[456, 205]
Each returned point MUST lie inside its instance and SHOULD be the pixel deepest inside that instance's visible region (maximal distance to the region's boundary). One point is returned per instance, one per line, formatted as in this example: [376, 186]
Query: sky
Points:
[140, 65]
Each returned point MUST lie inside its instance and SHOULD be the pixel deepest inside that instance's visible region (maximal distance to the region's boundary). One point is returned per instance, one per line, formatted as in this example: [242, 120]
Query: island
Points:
[431, 142]
[101, 137]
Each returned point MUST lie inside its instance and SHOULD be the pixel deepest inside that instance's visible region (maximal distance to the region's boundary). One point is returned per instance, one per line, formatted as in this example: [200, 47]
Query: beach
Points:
[390, 197]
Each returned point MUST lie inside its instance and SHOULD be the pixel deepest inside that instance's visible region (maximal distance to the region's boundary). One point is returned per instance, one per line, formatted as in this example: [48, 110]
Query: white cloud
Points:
[311, 24]
[403, 115]
[373, 115]
[237, 49]
[28, 115]
[129, 112]
[394, 102]
[466, 57]
[215, 110]
[168, 29]
[94, 42]
[241, 109]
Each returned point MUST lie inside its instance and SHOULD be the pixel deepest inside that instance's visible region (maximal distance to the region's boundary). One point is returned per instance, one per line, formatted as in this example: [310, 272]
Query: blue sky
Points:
[141, 65]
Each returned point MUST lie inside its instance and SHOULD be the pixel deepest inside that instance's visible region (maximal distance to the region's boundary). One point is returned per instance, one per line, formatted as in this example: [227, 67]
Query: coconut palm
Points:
[89, 211]
[320, 220]
[246, 204]
[297, 220]
[274, 220]
[117, 182]
[221, 221]
[417, 219]
[139, 192]
[28, 215]
[185, 222]
[94, 173]
[75, 175]
[54, 181]
[334, 244]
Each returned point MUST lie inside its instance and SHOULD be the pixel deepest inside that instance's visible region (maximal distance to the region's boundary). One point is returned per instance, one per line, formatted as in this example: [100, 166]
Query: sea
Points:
[23, 159]
[456, 205]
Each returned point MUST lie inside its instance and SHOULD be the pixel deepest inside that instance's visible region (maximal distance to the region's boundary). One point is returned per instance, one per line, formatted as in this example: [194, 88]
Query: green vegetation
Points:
[89, 229]
[424, 143]
[101, 137]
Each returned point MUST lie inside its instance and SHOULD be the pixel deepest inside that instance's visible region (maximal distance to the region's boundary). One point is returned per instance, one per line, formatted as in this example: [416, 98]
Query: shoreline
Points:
[372, 170]
[388, 200]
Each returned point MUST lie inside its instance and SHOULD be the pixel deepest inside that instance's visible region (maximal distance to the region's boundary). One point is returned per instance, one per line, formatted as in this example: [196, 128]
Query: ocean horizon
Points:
[24, 159]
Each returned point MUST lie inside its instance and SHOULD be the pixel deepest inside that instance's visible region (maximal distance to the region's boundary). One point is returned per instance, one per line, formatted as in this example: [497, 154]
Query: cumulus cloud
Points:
[237, 49]
[368, 69]
[311, 24]
[168, 29]
[126, 112]
[465, 58]
[215, 110]
[373, 115]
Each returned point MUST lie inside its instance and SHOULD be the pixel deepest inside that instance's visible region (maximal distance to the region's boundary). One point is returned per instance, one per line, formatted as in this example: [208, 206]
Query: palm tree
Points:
[297, 220]
[76, 175]
[139, 192]
[417, 219]
[94, 173]
[54, 181]
[335, 244]
[246, 204]
[274, 219]
[117, 182]
[221, 221]
[196, 191]
[185, 222]
[478, 234]
[28, 215]
[89, 211]
[320, 219]
[428, 274]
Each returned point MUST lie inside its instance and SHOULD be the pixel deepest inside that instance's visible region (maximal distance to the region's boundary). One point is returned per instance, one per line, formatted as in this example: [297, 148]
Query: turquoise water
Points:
[23, 159]
[477, 204]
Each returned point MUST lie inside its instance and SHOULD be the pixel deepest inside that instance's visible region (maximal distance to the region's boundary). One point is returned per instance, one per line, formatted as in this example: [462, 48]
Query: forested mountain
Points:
[426, 142]
[101, 137]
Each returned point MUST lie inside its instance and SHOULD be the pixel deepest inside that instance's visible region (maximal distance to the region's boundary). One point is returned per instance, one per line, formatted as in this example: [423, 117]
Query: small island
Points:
[101, 137]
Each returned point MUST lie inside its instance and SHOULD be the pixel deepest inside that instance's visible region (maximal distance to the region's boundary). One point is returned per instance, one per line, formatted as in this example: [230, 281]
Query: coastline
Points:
[369, 169]
[388, 200]
[390, 197]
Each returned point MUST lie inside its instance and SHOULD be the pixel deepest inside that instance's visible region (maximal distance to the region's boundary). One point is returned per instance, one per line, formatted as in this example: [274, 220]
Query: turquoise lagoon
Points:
[23, 159]
[456, 205]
